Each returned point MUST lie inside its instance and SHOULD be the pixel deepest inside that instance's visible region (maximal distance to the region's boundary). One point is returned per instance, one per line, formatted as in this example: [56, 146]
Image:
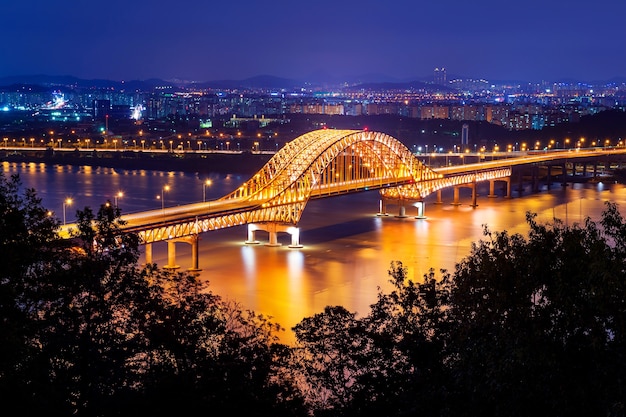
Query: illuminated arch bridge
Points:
[319, 164]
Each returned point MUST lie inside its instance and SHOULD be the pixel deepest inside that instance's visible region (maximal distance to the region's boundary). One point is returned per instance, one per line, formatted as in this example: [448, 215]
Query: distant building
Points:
[440, 76]
[434, 112]
[465, 135]
[101, 108]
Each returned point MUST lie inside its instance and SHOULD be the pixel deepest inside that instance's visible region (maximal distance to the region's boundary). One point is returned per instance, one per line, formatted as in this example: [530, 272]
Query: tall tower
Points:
[465, 135]
[440, 76]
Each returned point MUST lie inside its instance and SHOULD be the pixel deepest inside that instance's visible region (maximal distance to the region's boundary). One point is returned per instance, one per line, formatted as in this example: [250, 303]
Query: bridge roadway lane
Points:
[171, 215]
[530, 158]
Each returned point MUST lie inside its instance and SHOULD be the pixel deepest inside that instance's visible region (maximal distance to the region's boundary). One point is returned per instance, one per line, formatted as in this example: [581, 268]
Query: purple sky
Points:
[206, 40]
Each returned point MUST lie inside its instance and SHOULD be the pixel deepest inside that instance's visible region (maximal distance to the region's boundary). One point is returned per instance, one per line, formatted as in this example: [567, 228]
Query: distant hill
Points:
[261, 81]
[412, 85]
[67, 80]
[317, 80]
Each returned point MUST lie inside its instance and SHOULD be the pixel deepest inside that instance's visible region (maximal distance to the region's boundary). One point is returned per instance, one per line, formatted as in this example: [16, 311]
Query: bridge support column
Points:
[439, 201]
[549, 176]
[273, 235]
[420, 205]
[295, 237]
[492, 184]
[401, 211]
[148, 252]
[272, 229]
[194, 242]
[171, 255]
[252, 228]
[564, 179]
[474, 194]
[507, 180]
[535, 178]
[382, 208]
[455, 200]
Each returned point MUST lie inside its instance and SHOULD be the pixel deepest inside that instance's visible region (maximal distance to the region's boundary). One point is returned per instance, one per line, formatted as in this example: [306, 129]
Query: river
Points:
[347, 249]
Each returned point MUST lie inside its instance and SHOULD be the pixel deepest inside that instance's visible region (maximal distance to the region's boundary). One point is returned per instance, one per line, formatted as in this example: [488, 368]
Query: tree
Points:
[389, 362]
[27, 247]
[86, 331]
[538, 322]
[327, 359]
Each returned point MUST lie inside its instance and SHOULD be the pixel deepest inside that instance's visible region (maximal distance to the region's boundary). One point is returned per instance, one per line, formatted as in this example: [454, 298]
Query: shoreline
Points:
[244, 163]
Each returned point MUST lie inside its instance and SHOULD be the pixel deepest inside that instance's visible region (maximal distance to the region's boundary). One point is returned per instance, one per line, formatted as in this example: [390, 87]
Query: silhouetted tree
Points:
[538, 322]
[87, 332]
[389, 362]
[27, 251]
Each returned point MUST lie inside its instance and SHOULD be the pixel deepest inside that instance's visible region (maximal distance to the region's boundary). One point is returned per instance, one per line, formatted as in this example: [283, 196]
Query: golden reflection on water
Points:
[349, 266]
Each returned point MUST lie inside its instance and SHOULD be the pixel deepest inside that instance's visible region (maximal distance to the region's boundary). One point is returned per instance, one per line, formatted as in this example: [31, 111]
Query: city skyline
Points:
[201, 41]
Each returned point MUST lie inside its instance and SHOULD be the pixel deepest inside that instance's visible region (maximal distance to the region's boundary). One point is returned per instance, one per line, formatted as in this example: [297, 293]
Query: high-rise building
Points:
[440, 76]
[101, 109]
[465, 134]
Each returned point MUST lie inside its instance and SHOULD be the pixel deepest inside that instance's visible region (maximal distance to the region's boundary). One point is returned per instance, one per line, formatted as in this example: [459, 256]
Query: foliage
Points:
[538, 323]
[386, 363]
[88, 332]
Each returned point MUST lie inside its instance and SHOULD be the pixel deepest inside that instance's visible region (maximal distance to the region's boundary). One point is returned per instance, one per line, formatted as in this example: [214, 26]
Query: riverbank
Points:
[244, 162]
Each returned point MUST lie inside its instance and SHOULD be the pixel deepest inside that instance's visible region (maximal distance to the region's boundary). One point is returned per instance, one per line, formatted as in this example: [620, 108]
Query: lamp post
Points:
[67, 202]
[204, 185]
[166, 188]
[116, 196]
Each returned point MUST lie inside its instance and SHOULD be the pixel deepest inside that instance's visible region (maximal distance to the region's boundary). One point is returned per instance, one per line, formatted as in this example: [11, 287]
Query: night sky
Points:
[206, 40]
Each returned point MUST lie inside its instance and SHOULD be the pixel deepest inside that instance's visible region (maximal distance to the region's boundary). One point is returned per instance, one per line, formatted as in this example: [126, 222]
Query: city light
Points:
[117, 196]
[165, 188]
[204, 185]
[67, 202]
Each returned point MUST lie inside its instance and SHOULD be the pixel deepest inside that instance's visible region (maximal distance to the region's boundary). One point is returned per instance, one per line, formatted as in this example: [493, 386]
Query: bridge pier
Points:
[474, 194]
[193, 240]
[401, 211]
[148, 253]
[272, 229]
[455, 196]
[171, 255]
[439, 201]
[564, 175]
[420, 206]
[382, 208]
[492, 184]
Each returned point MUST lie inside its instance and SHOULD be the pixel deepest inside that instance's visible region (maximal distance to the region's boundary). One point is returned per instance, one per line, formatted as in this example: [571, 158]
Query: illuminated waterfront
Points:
[347, 248]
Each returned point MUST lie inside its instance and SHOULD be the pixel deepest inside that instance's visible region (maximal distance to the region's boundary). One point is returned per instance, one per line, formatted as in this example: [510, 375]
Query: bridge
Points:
[321, 164]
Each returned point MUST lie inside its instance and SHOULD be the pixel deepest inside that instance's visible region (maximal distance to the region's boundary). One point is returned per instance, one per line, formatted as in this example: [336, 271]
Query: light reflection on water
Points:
[347, 248]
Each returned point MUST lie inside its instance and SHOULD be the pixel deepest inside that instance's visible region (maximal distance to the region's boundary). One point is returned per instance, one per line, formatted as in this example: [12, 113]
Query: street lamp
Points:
[67, 202]
[166, 188]
[116, 196]
[204, 185]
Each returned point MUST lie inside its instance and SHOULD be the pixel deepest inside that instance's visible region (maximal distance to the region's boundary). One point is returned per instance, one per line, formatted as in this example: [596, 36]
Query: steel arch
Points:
[327, 162]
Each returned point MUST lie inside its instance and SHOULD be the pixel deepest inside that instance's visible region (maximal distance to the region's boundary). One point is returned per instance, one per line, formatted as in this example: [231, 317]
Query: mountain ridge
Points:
[314, 81]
